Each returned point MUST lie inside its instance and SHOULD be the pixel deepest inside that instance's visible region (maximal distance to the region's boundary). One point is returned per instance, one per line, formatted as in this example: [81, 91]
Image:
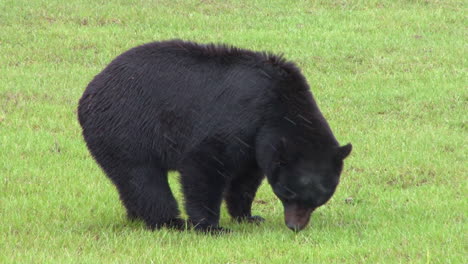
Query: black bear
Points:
[223, 117]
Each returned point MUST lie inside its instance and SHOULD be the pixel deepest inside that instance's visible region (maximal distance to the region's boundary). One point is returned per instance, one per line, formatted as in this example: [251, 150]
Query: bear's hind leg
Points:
[145, 192]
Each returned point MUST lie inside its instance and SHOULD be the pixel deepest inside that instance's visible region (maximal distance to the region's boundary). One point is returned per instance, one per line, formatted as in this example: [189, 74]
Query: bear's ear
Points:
[281, 150]
[282, 147]
[344, 151]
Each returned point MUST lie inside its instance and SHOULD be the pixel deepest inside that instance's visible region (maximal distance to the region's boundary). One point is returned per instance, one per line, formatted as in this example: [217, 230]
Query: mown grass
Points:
[390, 76]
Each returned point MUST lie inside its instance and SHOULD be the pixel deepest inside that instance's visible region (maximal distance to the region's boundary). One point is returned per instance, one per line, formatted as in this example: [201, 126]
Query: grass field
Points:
[390, 76]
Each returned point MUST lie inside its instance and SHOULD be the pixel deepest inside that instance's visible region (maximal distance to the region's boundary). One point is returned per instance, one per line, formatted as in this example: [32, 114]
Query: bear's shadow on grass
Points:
[318, 221]
[114, 227]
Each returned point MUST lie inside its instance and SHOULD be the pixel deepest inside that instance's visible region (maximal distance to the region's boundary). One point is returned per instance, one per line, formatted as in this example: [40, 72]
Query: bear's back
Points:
[171, 96]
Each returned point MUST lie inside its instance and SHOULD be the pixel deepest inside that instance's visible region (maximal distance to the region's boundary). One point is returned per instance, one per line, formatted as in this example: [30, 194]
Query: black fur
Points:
[221, 116]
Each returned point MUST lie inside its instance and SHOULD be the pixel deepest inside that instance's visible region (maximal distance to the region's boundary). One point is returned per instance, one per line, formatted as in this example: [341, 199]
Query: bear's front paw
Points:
[256, 219]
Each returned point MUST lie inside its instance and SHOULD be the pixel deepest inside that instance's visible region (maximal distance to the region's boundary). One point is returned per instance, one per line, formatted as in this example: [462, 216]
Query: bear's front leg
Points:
[203, 190]
[240, 194]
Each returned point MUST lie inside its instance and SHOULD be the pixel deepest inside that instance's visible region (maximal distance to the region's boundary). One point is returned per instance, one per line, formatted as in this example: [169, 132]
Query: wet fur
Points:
[215, 113]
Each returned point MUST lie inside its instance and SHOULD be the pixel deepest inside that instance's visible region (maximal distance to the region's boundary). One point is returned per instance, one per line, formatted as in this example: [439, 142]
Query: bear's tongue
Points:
[296, 217]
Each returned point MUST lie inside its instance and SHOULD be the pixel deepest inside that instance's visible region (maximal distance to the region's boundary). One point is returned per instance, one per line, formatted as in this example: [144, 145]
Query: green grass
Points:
[390, 76]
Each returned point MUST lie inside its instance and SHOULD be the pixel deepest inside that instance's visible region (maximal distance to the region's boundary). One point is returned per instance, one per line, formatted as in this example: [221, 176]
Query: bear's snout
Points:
[297, 217]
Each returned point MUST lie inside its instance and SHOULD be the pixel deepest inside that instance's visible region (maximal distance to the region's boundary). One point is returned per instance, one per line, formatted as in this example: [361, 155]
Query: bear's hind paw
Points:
[213, 230]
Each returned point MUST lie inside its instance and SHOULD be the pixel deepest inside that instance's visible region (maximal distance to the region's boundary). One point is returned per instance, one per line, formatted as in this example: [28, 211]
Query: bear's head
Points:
[305, 178]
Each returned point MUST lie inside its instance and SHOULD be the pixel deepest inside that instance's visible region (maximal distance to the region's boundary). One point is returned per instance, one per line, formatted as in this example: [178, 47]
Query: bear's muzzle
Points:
[296, 216]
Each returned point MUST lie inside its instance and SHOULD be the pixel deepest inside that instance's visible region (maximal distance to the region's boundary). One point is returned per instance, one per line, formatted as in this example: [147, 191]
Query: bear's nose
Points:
[296, 217]
[295, 227]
